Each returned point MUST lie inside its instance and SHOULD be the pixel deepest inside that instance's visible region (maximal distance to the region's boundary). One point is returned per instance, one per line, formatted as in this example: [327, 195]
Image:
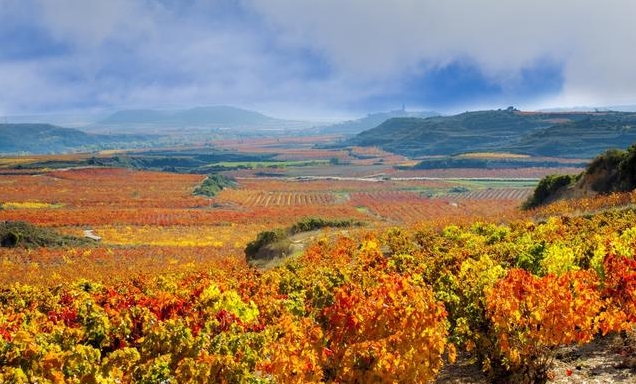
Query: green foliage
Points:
[281, 236]
[612, 171]
[604, 171]
[547, 188]
[262, 239]
[21, 234]
[95, 322]
[610, 159]
[558, 258]
[627, 169]
[313, 223]
[47, 138]
[228, 301]
[529, 253]
[214, 184]
[577, 135]
[502, 163]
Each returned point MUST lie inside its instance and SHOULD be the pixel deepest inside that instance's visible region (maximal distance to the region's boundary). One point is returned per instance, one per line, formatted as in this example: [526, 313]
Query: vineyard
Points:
[394, 306]
[441, 270]
[412, 207]
[278, 199]
[493, 194]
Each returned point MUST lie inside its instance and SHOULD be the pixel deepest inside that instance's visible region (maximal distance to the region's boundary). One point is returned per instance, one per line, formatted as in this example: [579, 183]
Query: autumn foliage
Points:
[167, 297]
[532, 316]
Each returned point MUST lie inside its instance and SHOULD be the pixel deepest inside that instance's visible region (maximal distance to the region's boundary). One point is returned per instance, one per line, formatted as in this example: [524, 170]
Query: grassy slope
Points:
[47, 138]
[563, 134]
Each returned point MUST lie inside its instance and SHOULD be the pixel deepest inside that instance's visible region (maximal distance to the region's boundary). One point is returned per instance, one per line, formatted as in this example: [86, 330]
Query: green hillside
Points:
[372, 120]
[564, 134]
[47, 138]
[612, 171]
[582, 138]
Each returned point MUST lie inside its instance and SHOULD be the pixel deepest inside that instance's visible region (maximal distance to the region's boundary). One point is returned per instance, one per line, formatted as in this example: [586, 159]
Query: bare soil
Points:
[607, 360]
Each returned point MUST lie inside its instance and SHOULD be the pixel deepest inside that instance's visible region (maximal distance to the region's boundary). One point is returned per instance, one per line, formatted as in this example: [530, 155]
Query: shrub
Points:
[296, 355]
[313, 223]
[17, 233]
[213, 184]
[533, 316]
[627, 169]
[557, 259]
[281, 236]
[262, 239]
[546, 189]
[471, 325]
[608, 160]
[393, 332]
[620, 292]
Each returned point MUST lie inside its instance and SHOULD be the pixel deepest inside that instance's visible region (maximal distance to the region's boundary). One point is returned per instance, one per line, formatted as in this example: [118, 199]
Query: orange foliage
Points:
[104, 187]
[410, 207]
[393, 332]
[534, 315]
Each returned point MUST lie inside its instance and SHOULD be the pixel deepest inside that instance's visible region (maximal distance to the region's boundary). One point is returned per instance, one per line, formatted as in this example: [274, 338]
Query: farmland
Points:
[141, 213]
[289, 192]
[167, 295]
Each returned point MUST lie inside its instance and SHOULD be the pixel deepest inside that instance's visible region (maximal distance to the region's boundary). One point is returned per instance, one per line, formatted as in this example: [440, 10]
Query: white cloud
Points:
[125, 53]
[89, 23]
[594, 40]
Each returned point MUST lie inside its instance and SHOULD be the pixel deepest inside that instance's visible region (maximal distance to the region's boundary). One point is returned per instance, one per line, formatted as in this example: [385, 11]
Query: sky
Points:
[315, 58]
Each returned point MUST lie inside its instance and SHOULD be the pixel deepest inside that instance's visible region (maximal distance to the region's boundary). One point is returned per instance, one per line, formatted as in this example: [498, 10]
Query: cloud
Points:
[373, 39]
[305, 56]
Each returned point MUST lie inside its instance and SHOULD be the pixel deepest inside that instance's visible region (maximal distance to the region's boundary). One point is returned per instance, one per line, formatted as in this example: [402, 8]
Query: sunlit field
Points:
[443, 263]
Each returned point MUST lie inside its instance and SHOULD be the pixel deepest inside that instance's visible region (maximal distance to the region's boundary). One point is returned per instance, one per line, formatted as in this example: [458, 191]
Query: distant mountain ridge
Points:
[47, 138]
[615, 108]
[559, 134]
[198, 117]
[371, 120]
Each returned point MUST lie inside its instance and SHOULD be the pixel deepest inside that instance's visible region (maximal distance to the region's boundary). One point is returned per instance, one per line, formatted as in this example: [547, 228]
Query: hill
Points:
[563, 134]
[583, 138]
[612, 171]
[372, 120]
[47, 138]
[199, 117]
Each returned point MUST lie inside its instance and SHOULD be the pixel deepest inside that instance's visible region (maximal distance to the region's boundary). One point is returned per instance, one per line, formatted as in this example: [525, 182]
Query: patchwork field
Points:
[388, 264]
[141, 203]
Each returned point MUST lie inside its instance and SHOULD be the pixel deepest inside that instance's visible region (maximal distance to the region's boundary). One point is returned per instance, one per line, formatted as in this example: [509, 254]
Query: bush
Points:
[262, 239]
[546, 189]
[21, 234]
[393, 332]
[471, 325]
[214, 184]
[313, 223]
[268, 238]
[627, 169]
[533, 316]
[620, 291]
[610, 159]
[10, 240]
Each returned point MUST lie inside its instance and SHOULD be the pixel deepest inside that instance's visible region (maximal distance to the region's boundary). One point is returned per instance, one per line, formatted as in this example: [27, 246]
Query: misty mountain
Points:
[371, 120]
[199, 117]
[76, 119]
[47, 138]
[567, 134]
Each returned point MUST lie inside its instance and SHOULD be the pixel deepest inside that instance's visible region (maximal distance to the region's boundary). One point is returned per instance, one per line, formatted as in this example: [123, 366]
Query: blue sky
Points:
[314, 58]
